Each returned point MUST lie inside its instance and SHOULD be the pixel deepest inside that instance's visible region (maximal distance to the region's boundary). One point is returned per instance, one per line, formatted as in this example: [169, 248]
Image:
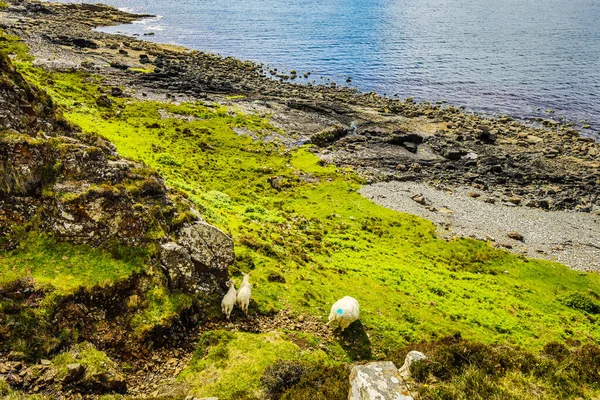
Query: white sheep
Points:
[344, 312]
[228, 300]
[243, 294]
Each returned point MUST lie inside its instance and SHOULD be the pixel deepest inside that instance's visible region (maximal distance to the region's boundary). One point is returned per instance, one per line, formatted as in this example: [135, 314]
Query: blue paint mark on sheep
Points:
[339, 311]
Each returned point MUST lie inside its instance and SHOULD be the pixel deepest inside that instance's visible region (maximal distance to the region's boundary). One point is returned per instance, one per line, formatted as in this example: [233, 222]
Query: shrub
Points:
[296, 380]
[281, 376]
[581, 302]
[460, 369]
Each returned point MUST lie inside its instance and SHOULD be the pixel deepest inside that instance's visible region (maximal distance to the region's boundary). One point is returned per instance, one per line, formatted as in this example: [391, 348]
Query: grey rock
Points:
[75, 372]
[410, 358]
[209, 246]
[377, 381]
[199, 261]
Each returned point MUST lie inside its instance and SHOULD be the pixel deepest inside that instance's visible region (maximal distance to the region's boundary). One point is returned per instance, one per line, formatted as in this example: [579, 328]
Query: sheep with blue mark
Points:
[344, 312]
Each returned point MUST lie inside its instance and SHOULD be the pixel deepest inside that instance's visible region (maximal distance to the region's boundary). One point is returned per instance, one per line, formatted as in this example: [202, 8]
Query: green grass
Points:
[232, 363]
[65, 267]
[328, 242]
[160, 309]
[94, 361]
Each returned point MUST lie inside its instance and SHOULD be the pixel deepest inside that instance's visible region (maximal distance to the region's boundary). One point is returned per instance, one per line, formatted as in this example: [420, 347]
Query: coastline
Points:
[154, 176]
[530, 111]
[506, 162]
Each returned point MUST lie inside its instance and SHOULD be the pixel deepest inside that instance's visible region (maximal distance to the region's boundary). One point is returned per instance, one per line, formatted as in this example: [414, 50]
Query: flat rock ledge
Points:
[381, 380]
[377, 381]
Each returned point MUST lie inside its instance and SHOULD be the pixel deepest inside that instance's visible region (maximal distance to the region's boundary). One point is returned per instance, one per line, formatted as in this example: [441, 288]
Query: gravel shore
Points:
[571, 238]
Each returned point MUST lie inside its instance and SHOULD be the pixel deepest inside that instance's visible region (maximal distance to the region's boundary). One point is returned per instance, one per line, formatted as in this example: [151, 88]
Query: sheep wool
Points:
[243, 295]
[228, 300]
[344, 312]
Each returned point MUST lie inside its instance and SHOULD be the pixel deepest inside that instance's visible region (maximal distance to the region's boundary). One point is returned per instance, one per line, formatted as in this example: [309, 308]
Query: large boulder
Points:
[199, 261]
[377, 381]
[209, 246]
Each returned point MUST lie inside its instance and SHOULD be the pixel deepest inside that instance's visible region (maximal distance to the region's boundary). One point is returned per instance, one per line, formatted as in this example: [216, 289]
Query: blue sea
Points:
[516, 57]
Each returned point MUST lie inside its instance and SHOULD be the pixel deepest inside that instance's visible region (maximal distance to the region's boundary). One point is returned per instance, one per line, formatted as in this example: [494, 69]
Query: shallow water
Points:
[520, 57]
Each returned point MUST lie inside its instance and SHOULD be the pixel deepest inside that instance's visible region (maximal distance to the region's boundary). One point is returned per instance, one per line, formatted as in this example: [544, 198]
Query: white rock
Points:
[411, 357]
[377, 381]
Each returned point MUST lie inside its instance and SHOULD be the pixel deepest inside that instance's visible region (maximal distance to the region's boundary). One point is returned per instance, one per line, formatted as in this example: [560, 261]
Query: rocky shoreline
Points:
[496, 165]
[505, 162]
[551, 168]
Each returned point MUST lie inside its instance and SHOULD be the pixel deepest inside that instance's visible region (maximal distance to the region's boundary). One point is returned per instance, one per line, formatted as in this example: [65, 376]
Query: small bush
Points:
[280, 377]
[296, 380]
[557, 351]
[473, 384]
[581, 302]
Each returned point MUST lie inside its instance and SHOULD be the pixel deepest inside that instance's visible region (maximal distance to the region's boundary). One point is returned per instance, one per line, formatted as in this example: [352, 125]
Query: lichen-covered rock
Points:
[208, 245]
[23, 108]
[411, 357]
[377, 381]
[75, 186]
[199, 261]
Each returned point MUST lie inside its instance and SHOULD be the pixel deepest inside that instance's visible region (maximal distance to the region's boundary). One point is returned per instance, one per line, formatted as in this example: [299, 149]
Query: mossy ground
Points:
[85, 354]
[230, 363]
[292, 216]
[64, 267]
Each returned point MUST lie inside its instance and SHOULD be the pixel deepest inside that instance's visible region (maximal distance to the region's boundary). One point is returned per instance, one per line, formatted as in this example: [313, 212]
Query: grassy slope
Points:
[327, 240]
[65, 267]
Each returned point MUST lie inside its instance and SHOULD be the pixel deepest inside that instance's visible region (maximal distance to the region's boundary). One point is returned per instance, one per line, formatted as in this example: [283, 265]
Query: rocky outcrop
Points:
[24, 108]
[202, 252]
[76, 187]
[382, 380]
[377, 381]
[97, 374]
